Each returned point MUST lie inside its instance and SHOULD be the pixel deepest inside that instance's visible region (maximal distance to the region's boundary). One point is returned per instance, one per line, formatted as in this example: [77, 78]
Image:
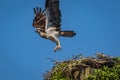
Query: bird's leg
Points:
[56, 40]
[58, 47]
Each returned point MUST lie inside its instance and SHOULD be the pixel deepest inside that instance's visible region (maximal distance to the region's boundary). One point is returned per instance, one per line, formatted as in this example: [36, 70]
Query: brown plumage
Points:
[39, 20]
[67, 33]
[48, 23]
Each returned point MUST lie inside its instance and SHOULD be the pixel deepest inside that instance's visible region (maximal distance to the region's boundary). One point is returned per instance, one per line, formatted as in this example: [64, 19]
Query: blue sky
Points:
[23, 54]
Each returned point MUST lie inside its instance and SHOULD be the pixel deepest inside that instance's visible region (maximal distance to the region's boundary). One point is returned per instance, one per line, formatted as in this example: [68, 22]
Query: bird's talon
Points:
[57, 48]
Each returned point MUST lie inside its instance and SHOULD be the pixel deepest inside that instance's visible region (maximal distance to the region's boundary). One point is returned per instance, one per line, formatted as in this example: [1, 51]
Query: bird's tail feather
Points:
[67, 33]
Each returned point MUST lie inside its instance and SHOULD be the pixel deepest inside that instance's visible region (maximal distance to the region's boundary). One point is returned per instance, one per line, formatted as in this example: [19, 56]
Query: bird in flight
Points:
[48, 23]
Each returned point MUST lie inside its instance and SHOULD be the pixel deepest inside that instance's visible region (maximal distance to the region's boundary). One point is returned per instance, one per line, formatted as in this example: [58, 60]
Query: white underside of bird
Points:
[52, 35]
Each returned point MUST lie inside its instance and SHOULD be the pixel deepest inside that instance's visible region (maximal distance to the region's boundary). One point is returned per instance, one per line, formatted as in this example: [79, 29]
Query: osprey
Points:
[47, 23]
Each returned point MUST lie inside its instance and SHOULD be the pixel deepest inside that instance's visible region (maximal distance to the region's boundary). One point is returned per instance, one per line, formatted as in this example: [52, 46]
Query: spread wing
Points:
[39, 19]
[53, 14]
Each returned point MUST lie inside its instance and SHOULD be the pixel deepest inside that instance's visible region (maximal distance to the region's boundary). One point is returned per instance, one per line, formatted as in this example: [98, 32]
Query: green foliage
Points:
[57, 73]
[106, 73]
[118, 58]
[101, 67]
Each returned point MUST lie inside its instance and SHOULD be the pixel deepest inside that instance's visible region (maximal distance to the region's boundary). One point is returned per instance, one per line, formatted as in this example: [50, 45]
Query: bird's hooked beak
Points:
[37, 30]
